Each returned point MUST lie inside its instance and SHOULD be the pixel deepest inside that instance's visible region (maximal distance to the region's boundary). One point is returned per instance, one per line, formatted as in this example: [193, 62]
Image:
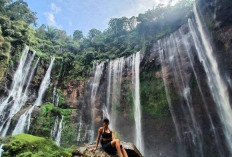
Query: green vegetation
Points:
[44, 123]
[123, 37]
[24, 145]
[153, 97]
[4, 56]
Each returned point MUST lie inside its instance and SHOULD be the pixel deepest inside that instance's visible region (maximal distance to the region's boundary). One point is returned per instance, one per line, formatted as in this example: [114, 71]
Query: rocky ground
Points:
[25, 145]
[84, 151]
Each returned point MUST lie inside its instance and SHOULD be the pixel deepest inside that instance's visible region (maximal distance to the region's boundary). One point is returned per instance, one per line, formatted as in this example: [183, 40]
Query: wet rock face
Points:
[84, 151]
[217, 15]
[73, 92]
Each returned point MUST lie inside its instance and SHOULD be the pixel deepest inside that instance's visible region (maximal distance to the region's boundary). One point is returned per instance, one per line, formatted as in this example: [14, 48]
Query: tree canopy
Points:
[123, 37]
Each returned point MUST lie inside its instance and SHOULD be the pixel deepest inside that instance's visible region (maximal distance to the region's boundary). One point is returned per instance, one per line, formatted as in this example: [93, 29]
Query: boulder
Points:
[84, 151]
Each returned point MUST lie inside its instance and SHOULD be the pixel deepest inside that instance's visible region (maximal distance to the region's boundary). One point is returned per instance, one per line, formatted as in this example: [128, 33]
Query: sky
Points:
[70, 15]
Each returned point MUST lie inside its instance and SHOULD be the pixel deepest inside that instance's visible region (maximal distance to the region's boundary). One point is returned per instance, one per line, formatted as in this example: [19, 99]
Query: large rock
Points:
[84, 151]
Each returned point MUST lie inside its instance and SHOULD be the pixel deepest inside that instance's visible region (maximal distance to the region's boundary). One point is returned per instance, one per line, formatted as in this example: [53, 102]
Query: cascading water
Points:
[168, 96]
[79, 140]
[18, 94]
[178, 53]
[108, 96]
[55, 98]
[95, 85]
[175, 64]
[57, 130]
[217, 86]
[1, 150]
[105, 112]
[117, 69]
[136, 99]
[23, 123]
[186, 40]
[45, 83]
[25, 96]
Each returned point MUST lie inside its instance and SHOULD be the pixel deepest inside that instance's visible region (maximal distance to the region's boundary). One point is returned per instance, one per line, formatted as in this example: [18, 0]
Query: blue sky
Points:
[70, 15]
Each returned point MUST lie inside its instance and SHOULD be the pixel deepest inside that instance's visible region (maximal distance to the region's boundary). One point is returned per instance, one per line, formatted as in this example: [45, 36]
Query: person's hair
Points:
[106, 120]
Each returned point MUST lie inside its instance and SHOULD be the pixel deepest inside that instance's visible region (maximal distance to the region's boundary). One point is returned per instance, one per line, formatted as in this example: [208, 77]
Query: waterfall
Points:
[187, 47]
[216, 84]
[17, 94]
[117, 67]
[95, 85]
[55, 98]
[168, 96]
[23, 123]
[58, 137]
[45, 83]
[24, 98]
[136, 100]
[79, 140]
[175, 64]
[57, 130]
[1, 150]
[109, 86]
[106, 112]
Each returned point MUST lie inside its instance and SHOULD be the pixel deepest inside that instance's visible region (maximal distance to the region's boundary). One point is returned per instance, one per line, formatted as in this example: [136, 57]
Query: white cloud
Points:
[50, 15]
[50, 19]
[55, 8]
[140, 6]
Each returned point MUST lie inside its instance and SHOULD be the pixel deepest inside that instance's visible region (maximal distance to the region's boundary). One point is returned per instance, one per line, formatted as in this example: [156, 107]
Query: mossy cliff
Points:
[24, 145]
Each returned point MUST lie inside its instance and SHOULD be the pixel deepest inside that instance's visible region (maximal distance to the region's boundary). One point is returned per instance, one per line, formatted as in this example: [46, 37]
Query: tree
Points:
[117, 25]
[77, 35]
[3, 4]
[41, 32]
[93, 33]
[19, 10]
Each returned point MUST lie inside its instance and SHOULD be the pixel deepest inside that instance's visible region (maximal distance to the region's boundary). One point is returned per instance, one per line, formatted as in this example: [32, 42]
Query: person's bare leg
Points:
[124, 152]
[116, 143]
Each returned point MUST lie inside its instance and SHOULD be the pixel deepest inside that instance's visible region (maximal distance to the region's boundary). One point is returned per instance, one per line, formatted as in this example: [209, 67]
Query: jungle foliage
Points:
[123, 37]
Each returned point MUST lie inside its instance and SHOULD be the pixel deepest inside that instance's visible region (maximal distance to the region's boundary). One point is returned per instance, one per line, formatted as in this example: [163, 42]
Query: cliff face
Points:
[179, 113]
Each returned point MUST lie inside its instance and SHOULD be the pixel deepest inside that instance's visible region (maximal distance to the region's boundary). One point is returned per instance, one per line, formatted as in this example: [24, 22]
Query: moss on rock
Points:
[44, 123]
[153, 97]
[4, 57]
[24, 145]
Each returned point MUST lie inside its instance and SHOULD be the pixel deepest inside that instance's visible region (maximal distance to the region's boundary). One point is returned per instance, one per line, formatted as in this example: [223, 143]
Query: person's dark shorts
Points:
[106, 145]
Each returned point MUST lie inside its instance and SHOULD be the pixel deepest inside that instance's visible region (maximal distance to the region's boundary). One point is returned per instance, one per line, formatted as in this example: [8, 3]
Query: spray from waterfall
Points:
[23, 123]
[217, 85]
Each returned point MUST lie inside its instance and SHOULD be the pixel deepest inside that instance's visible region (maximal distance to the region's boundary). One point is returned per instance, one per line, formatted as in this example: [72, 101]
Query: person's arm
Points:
[113, 135]
[98, 139]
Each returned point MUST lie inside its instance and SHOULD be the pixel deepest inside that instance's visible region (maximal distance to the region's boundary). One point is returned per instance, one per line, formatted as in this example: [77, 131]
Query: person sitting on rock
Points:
[108, 142]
